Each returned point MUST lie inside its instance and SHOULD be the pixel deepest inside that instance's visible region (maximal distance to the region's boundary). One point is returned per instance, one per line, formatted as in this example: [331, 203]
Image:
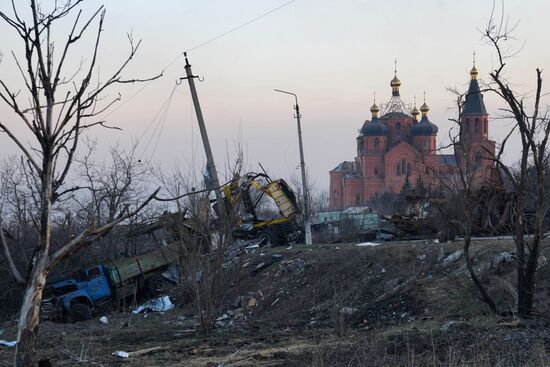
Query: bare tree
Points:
[55, 106]
[459, 187]
[533, 127]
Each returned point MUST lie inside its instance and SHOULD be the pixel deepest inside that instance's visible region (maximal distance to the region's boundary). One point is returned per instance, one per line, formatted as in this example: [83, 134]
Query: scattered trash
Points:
[172, 274]
[223, 317]
[422, 257]
[368, 244]
[138, 353]
[436, 241]
[273, 304]
[156, 305]
[452, 258]
[104, 320]
[252, 302]
[7, 343]
[121, 354]
[276, 257]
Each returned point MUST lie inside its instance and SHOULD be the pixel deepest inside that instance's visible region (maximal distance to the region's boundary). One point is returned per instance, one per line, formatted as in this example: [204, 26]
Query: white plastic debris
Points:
[367, 244]
[104, 320]
[121, 354]
[7, 343]
[156, 305]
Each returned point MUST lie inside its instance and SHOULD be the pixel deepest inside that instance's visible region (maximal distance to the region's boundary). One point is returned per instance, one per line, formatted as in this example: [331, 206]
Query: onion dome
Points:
[473, 72]
[415, 112]
[425, 127]
[395, 82]
[424, 109]
[374, 110]
[374, 128]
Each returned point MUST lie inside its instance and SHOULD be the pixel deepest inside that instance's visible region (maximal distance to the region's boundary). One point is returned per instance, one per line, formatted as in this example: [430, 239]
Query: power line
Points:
[241, 26]
[199, 46]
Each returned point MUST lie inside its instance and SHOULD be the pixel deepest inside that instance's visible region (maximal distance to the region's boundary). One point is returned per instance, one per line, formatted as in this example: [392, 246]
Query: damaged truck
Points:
[259, 219]
[75, 297]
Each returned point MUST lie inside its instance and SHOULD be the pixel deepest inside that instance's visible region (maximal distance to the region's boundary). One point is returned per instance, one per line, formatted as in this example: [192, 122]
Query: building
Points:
[400, 145]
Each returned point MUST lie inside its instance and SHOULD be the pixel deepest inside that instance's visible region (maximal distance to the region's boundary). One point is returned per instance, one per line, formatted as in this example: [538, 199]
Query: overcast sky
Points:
[333, 54]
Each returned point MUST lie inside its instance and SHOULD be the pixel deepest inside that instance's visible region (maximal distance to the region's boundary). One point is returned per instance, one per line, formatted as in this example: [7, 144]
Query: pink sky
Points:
[333, 54]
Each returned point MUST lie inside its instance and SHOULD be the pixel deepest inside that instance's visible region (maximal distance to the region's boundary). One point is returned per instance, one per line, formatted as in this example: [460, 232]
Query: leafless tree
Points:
[55, 106]
[532, 125]
[459, 204]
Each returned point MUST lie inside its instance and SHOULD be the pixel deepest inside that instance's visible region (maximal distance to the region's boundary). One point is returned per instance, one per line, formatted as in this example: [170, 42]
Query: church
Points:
[399, 144]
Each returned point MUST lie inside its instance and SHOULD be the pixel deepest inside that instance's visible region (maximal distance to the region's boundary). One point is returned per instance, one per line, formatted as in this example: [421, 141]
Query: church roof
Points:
[345, 166]
[374, 128]
[474, 104]
[424, 127]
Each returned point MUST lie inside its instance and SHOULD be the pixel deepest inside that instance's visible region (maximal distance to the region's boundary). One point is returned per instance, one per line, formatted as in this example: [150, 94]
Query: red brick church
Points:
[398, 146]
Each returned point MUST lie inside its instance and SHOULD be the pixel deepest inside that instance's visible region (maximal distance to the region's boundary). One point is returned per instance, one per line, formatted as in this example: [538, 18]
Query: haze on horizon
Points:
[333, 54]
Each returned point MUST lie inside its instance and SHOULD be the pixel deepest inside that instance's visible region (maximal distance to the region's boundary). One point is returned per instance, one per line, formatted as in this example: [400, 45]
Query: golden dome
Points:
[415, 112]
[374, 110]
[395, 82]
[424, 109]
[473, 72]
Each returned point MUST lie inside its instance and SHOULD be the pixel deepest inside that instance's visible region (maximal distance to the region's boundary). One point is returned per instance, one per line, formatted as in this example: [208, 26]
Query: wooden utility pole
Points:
[210, 166]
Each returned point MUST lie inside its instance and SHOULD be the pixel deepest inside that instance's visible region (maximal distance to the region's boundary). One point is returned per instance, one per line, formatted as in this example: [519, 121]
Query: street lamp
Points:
[303, 168]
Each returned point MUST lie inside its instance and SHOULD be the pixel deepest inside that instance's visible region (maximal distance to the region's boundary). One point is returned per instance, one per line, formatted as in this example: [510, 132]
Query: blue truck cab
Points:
[74, 297]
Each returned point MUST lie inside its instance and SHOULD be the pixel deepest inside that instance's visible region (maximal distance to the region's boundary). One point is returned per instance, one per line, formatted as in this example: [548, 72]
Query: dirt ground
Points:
[396, 304]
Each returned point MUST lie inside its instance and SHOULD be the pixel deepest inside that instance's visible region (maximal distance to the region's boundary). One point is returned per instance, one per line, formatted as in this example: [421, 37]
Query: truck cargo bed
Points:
[124, 270]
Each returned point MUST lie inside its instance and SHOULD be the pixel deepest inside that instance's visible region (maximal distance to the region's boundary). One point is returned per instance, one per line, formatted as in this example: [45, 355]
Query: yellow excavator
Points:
[245, 194]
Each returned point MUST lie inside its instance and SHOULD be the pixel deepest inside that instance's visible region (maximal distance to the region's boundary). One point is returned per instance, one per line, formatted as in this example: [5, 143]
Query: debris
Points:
[7, 343]
[273, 303]
[223, 317]
[422, 257]
[104, 320]
[252, 302]
[276, 257]
[347, 310]
[500, 262]
[436, 241]
[121, 354]
[172, 274]
[138, 353]
[452, 258]
[367, 244]
[156, 305]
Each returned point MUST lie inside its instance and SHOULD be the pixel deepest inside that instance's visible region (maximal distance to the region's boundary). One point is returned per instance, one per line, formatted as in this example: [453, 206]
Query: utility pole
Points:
[307, 223]
[210, 166]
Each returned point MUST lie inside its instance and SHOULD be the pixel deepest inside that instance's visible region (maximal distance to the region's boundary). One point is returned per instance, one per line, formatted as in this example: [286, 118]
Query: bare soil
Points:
[397, 304]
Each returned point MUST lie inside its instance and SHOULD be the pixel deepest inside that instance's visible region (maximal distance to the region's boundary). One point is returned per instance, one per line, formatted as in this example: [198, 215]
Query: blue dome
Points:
[374, 128]
[424, 128]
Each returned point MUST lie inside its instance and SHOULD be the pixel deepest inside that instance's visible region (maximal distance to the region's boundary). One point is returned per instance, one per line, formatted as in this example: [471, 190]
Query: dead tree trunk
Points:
[56, 126]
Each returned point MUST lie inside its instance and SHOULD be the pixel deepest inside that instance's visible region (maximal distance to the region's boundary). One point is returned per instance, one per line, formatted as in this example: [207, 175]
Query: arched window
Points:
[426, 144]
[376, 143]
[397, 169]
[403, 166]
[376, 171]
[477, 125]
[357, 199]
[408, 168]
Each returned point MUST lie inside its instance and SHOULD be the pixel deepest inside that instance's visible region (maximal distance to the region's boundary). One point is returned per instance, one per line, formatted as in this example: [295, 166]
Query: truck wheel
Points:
[268, 238]
[79, 312]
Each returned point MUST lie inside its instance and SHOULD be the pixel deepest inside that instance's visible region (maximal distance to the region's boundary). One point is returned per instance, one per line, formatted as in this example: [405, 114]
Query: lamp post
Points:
[302, 167]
